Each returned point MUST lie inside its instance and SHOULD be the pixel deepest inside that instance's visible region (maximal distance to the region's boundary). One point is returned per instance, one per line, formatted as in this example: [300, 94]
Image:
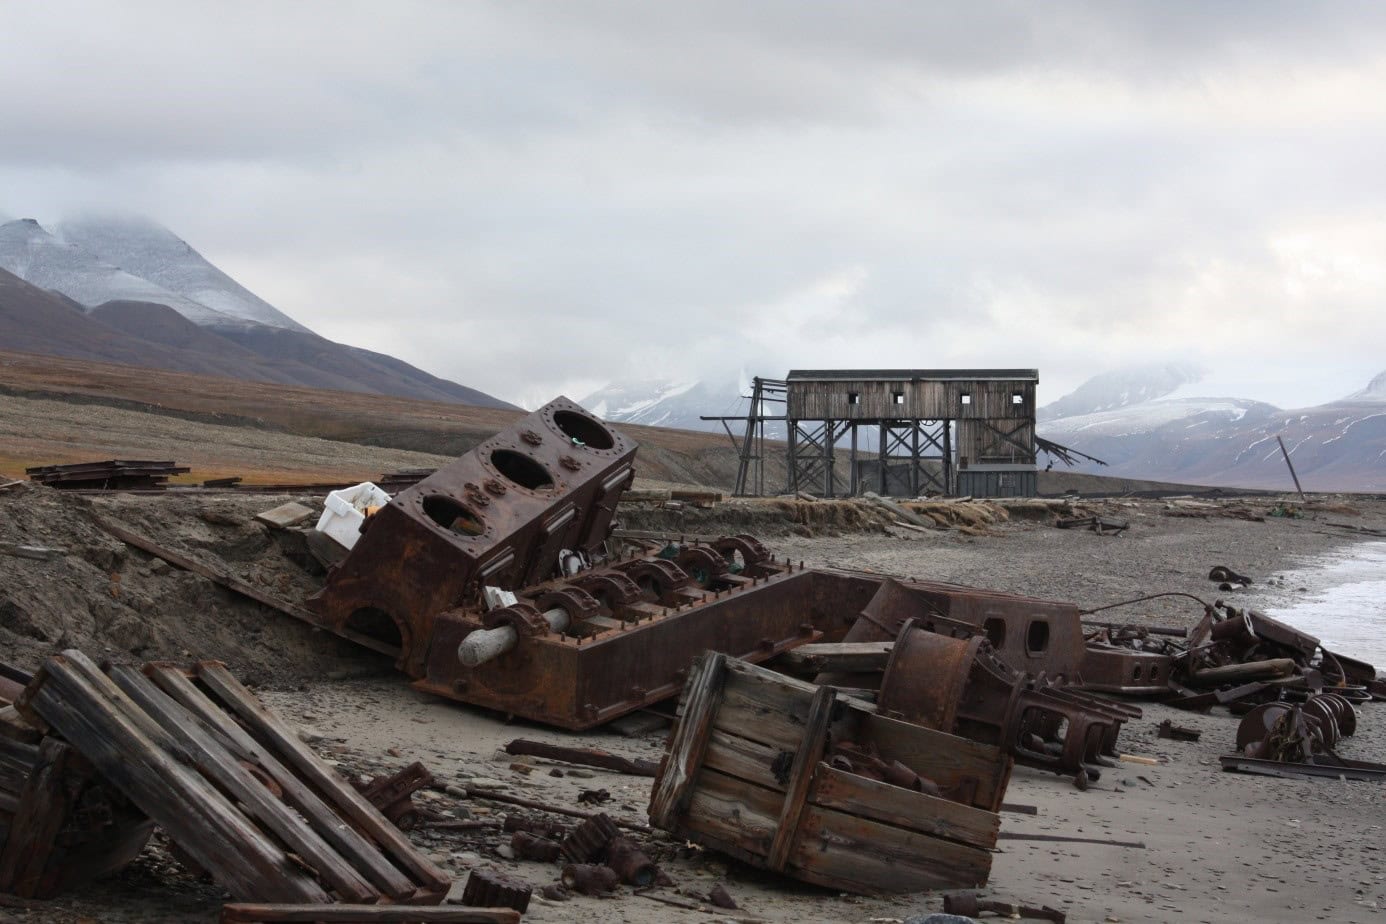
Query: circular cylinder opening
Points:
[583, 430]
[521, 469]
[449, 514]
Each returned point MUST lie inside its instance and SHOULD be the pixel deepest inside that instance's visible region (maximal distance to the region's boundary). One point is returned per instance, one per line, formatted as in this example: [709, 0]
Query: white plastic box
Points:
[346, 511]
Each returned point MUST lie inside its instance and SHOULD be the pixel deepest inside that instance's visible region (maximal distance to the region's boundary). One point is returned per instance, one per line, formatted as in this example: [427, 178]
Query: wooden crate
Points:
[230, 783]
[745, 773]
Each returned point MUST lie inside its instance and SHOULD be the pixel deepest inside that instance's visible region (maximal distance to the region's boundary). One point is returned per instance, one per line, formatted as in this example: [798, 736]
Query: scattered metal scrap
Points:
[1103, 526]
[1298, 739]
[968, 904]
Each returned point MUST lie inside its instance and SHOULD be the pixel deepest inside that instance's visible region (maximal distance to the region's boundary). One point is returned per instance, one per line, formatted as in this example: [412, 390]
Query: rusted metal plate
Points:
[499, 515]
[619, 659]
[1030, 635]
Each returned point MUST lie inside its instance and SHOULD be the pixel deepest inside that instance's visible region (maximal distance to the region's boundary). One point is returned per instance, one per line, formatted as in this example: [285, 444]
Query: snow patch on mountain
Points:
[147, 249]
[1375, 390]
[1122, 388]
[39, 258]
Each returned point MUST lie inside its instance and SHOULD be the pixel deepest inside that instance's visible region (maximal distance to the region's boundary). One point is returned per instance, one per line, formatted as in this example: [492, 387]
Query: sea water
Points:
[1344, 601]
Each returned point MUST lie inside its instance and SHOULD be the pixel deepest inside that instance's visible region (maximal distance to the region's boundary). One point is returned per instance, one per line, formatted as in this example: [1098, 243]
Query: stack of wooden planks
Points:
[113, 474]
[60, 825]
[754, 768]
[229, 782]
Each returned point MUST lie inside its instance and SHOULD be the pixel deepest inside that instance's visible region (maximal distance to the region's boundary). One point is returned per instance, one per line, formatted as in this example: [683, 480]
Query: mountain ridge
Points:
[59, 298]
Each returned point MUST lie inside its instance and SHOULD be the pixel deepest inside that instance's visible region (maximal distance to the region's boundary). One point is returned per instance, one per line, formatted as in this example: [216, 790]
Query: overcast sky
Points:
[539, 198]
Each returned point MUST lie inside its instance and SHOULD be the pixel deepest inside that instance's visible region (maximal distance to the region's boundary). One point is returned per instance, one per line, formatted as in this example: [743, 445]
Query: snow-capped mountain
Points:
[152, 252]
[1340, 446]
[1121, 388]
[131, 291]
[37, 257]
[1374, 392]
[658, 403]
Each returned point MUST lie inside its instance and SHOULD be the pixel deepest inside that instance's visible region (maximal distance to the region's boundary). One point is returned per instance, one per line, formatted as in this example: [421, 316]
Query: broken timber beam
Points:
[590, 757]
[840, 657]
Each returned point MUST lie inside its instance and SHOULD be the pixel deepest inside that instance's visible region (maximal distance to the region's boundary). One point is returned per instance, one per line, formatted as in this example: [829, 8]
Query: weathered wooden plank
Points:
[904, 808]
[840, 657]
[42, 808]
[806, 760]
[213, 761]
[14, 728]
[727, 811]
[843, 851]
[95, 721]
[323, 818]
[260, 721]
[946, 759]
[241, 913]
[746, 759]
[688, 743]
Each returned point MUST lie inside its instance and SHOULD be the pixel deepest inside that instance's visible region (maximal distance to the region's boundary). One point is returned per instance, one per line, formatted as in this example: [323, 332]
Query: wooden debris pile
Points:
[229, 782]
[111, 475]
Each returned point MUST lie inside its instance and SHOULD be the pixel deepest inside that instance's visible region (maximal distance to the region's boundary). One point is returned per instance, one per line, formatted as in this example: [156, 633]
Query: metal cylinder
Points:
[630, 863]
[589, 878]
[483, 645]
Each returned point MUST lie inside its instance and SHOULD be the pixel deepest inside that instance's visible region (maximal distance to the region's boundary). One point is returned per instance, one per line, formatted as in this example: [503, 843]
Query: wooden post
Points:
[1285, 452]
[806, 759]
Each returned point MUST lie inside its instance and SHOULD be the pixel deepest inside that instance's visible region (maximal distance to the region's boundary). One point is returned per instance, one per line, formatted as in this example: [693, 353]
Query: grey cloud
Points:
[692, 189]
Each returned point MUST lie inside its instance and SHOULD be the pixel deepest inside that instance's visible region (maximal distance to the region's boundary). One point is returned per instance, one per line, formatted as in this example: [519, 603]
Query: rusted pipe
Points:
[483, 645]
[630, 863]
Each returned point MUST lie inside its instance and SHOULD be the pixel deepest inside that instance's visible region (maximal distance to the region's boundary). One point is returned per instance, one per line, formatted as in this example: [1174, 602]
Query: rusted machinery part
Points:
[1326, 714]
[589, 840]
[703, 563]
[507, 626]
[630, 863]
[612, 587]
[1343, 711]
[529, 846]
[1258, 722]
[590, 878]
[571, 599]
[750, 549]
[926, 675]
[489, 888]
[657, 578]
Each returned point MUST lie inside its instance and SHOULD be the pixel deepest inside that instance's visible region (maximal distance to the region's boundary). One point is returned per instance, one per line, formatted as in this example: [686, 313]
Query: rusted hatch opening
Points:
[996, 632]
[583, 429]
[1037, 637]
[521, 469]
[449, 514]
[376, 623]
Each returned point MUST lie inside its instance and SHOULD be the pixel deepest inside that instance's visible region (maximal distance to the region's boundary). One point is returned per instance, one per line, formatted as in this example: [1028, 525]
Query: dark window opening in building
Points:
[853, 397]
[966, 398]
[898, 397]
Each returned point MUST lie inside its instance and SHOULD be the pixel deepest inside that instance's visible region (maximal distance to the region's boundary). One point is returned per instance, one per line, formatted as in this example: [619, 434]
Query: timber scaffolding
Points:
[908, 432]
